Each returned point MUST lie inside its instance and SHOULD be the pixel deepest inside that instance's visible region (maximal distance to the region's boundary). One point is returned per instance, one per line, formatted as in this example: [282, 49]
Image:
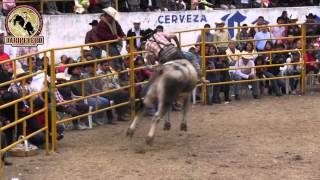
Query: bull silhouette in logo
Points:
[22, 20]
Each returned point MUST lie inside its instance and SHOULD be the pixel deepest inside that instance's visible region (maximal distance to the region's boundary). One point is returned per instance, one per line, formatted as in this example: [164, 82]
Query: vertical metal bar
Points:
[203, 66]
[117, 5]
[82, 54]
[24, 123]
[180, 39]
[53, 101]
[41, 6]
[46, 104]
[303, 69]
[132, 79]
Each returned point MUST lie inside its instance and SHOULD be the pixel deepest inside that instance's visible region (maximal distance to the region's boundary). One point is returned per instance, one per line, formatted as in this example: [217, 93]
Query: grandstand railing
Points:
[131, 71]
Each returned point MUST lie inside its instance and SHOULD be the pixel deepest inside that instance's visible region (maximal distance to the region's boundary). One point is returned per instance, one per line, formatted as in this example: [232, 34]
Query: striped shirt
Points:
[155, 43]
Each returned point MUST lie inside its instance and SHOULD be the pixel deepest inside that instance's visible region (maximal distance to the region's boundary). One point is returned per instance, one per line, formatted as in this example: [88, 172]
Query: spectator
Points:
[243, 35]
[136, 31]
[109, 29]
[110, 83]
[293, 31]
[93, 87]
[278, 59]
[310, 60]
[51, 8]
[250, 49]
[261, 38]
[246, 74]
[209, 37]
[8, 49]
[63, 61]
[221, 35]
[124, 6]
[284, 17]
[4, 56]
[148, 5]
[232, 53]
[74, 109]
[24, 51]
[91, 37]
[262, 73]
[212, 77]
[312, 28]
[292, 70]
[81, 6]
[7, 5]
[279, 31]
[5, 76]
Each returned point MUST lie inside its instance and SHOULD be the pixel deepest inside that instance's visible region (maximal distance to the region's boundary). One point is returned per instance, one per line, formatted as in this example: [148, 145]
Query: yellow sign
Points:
[23, 25]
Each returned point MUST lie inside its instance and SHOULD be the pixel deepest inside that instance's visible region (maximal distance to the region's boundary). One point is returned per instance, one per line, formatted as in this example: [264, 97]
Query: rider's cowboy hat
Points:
[136, 21]
[111, 12]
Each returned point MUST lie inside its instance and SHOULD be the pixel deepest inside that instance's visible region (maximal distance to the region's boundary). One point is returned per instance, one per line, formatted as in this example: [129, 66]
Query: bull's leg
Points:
[185, 109]
[167, 124]
[134, 123]
[161, 112]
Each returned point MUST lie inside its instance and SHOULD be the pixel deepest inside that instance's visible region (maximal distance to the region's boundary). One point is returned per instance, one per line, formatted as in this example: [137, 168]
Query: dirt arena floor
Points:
[271, 138]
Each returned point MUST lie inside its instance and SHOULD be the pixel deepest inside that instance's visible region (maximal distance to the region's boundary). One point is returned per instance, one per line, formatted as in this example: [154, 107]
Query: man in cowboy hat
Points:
[91, 37]
[109, 29]
[136, 31]
[312, 27]
[248, 73]
[221, 35]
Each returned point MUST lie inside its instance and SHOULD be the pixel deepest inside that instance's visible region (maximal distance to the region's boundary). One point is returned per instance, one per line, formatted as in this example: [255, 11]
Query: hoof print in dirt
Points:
[183, 127]
[149, 141]
[130, 132]
[167, 126]
[297, 158]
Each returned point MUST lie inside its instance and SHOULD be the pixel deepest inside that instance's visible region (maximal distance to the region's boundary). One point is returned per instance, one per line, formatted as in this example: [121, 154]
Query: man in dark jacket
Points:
[136, 31]
[109, 29]
[148, 5]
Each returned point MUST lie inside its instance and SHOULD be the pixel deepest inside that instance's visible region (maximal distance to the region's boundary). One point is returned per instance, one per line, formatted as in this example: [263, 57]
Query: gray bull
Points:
[176, 79]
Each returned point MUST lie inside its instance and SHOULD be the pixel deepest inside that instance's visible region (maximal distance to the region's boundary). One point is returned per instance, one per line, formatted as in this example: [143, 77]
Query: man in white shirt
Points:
[262, 38]
[136, 31]
[247, 73]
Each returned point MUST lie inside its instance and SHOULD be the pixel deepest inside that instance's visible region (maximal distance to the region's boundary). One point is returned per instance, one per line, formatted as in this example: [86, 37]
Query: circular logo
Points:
[24, 21]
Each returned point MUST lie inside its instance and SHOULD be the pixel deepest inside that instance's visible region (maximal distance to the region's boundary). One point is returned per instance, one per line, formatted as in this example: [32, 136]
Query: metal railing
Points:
[132, 82]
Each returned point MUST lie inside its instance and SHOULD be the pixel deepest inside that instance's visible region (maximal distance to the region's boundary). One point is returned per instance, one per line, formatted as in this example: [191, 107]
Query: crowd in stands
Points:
[237, 55]
[96, 6]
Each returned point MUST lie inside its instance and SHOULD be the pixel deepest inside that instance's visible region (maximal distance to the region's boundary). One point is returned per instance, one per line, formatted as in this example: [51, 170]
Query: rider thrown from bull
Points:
[160, 49]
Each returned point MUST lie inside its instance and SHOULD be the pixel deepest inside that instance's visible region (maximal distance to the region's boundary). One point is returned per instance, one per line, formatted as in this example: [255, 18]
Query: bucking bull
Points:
[175, 80]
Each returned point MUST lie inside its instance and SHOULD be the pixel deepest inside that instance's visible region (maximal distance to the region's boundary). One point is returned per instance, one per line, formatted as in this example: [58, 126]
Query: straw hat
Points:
[20, 72]
[1, 31]
[111, 12]
[137, 21]
[80, 10]
[246, 55]
[220, 22]
[294, 18]
[62, 76]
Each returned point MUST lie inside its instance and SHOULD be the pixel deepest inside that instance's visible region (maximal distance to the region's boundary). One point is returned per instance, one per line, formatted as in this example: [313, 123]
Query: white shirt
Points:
[244, 73]
[138, 40]
[11, 51]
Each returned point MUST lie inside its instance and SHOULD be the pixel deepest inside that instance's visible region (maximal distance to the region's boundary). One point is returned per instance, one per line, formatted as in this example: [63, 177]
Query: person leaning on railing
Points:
[109, 29]
[221, 35]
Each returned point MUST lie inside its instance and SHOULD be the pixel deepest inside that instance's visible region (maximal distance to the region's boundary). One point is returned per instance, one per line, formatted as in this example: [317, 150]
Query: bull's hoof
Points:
[167, 126]
[149, 140]
[183, 127]
[130, 132]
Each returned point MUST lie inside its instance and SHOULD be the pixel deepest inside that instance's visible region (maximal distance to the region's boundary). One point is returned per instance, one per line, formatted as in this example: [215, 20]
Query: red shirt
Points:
[4, 57]
[310, 59]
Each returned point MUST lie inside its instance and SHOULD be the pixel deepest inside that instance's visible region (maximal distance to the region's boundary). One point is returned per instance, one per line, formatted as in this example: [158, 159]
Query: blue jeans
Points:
[254, 85]
[96, 52]
[102, 102]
